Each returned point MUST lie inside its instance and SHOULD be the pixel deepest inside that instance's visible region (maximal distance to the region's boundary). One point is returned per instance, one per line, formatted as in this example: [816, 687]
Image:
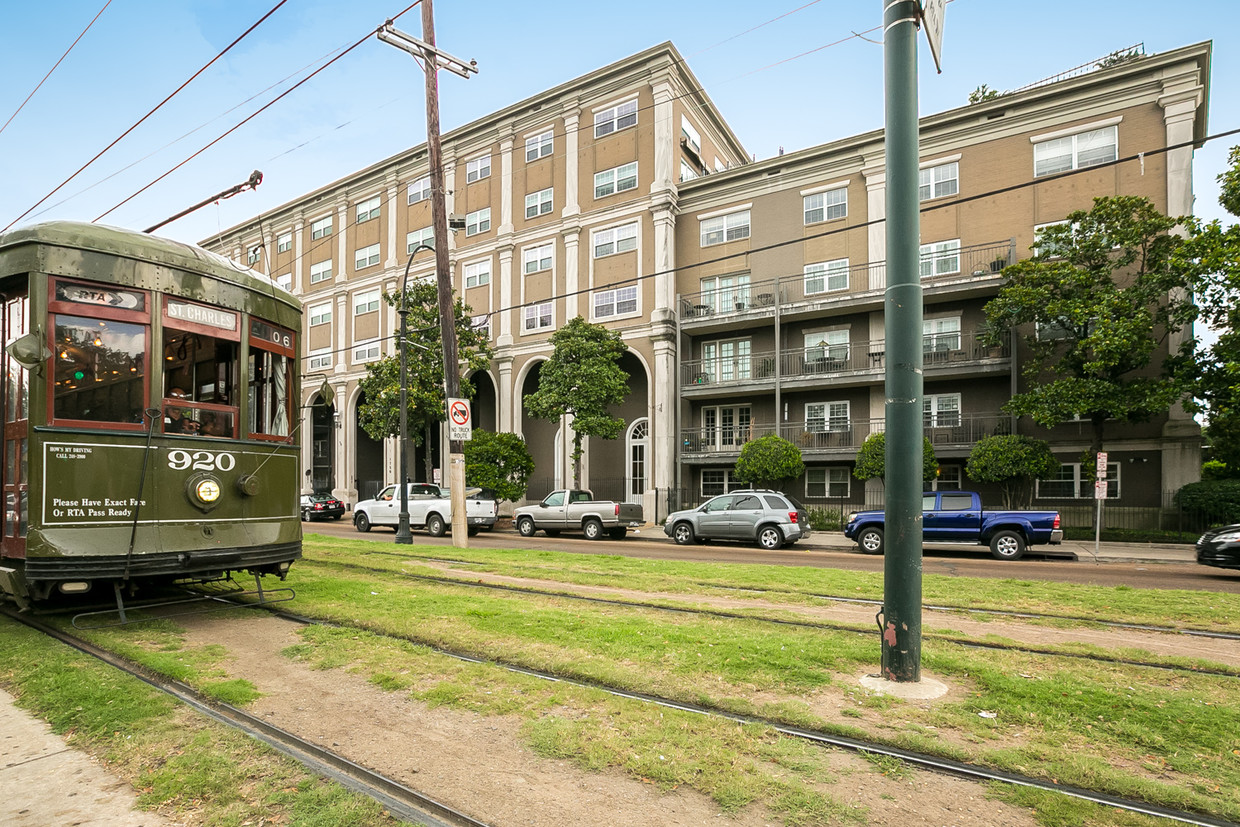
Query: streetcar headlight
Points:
[207, 490]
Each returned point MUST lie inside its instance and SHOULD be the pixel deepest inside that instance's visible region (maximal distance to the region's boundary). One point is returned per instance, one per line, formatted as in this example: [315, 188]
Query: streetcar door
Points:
[15, 400]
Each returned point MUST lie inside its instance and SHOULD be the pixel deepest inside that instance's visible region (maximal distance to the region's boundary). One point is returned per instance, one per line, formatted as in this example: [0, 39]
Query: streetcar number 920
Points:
[200, 461]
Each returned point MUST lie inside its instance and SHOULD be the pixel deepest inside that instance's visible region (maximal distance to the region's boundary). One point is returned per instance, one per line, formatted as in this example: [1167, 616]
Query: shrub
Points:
[1217, 500]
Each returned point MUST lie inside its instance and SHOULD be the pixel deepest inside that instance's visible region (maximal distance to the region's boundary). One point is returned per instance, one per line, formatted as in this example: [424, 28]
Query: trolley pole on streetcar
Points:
[434, 58]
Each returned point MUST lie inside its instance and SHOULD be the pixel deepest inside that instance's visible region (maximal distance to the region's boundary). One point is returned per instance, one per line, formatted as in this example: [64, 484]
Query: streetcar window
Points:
[17, 378]
[100, 369]
[200, 380]
[270, 375]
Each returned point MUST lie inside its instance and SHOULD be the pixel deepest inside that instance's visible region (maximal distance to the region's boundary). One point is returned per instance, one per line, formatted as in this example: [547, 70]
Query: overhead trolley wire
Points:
[147, 115]
[53, 69]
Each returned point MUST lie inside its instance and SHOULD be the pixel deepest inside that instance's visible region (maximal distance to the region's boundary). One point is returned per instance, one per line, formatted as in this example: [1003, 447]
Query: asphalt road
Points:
[952, 562]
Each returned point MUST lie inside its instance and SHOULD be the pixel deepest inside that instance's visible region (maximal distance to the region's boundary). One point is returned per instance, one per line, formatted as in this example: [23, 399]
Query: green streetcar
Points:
[149, 405]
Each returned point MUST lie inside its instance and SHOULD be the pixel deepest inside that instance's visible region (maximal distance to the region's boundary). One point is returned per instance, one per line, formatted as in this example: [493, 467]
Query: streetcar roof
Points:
[145, 247]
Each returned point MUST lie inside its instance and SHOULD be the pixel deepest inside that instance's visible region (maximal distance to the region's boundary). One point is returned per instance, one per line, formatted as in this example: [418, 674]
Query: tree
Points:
[379, 415]
[582, 379]
[1097, 302]
[983, 93]
[499, 461]
[872, 459]
[1013, 462]
[768, 461]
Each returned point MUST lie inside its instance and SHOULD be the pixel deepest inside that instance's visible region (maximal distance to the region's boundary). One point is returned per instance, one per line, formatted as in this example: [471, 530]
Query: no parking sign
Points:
[460, 421]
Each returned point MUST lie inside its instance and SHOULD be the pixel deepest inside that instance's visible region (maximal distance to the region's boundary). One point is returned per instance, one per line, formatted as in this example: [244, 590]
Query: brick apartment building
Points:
[749, 294]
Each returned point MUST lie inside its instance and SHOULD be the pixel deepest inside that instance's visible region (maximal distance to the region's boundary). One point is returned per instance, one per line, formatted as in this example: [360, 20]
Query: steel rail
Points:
[401, 801]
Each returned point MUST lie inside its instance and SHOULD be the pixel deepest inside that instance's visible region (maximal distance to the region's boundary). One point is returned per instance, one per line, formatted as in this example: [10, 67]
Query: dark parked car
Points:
[321, 507]
[768, 518]
[1220, 547]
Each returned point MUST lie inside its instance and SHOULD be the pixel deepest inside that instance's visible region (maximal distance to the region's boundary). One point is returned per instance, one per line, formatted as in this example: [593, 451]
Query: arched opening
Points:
[323, 424]
[637, 442]
[484, 408]
[368, 467]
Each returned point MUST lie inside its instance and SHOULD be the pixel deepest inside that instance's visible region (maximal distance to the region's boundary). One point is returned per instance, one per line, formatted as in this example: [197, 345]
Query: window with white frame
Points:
[687, 173]
[366, 257]
[367, 302]
[826, 206]
[716, 481]
[940, 410]
[1038, 229]
[691, 136]
[721, 228]
[417, 238]
[617, 179]
[320, 271]
[940, 334]
[616, 302]
[285, 281]
[615, 118]
[949, 479]
[826, 482]
[615, 240]
[284, 242]
[537, 316]
[320, 313]
[482, 324]
[477, 273]
[536, 259]
[940, 258]
[826, 416]
[478, 169]
[368, 209]
[1085, 149]
[366, 351]
[726, 426]
[321, 228]
[320, 359]
[720, 166]
[478, 222]
[1062, 328]
[254, 254]
[826, 276]
[1071, 481]
[827, 344]
[725, 293]
[538, 203]
[420, 190]
[727, 360]
[539, 146]
[938, 181]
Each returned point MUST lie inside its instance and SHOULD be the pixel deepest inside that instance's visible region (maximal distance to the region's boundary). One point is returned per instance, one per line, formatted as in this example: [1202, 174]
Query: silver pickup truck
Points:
[570, 509]
[430, 507]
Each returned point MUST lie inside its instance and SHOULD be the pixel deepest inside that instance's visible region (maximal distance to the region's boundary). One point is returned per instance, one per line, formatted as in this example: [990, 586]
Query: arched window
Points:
[635, 450]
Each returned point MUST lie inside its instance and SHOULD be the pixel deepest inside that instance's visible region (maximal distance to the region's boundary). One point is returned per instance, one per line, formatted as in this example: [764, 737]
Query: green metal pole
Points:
[901, 614]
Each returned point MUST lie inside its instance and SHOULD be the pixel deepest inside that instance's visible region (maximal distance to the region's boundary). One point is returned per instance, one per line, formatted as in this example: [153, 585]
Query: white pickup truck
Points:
[430, 507]
[571, 509]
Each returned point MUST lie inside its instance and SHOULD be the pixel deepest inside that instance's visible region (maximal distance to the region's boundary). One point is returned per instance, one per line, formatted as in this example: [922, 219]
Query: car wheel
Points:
[770, 538]
[472, 531]
[434, 525]
[525, 527]
[338, 516]
[361, 522]
[305, 515]
[552, 532]
[682, 533]
[1007, 545]
[870, 541]
[616, 533]
[593, 530]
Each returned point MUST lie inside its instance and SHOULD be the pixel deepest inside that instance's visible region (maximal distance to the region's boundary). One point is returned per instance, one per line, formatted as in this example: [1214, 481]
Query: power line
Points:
[53, 69]
[148, 114]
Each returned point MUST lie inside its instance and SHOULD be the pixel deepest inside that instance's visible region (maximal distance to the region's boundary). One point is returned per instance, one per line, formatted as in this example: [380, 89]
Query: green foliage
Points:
[379, 413]
[1215, 470]
[1109, 286]
[872, 459]
[768, 461]
[499, 461]
[1119, 56]
[582, 379]
[1217, 500]
[983, 93]
[1013, 462]
[825, 519]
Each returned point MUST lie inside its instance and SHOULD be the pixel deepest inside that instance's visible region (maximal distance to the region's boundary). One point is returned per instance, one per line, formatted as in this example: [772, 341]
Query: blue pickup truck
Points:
[957, 517]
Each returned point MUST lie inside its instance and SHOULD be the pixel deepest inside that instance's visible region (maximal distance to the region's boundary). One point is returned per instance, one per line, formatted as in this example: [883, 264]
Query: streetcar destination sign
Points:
[105, 296]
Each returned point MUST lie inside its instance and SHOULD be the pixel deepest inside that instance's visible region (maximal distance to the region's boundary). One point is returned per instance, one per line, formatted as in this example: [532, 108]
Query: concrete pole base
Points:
[926, 689]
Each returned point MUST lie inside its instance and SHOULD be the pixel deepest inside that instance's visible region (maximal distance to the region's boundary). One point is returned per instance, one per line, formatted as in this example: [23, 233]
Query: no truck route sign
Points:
[460, 421]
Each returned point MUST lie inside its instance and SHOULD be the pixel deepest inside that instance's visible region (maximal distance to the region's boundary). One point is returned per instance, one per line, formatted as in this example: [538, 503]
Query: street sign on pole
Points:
[932, 12]
[460, 424]
[1102, 465]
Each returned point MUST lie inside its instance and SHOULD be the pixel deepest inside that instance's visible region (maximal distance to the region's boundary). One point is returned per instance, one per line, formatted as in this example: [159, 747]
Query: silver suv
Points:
[768, 518]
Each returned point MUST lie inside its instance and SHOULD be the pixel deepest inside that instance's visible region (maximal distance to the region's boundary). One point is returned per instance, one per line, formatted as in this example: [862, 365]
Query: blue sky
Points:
[799, 80]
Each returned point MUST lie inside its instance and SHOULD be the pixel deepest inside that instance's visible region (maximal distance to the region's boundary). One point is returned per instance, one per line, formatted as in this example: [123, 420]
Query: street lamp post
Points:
[403, 534]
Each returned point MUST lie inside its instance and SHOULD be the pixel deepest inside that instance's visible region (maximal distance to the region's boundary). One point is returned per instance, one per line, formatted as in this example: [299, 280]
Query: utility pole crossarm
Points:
[419, 48]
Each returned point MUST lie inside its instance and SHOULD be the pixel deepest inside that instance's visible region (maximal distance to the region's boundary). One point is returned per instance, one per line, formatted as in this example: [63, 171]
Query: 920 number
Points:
[201, 461]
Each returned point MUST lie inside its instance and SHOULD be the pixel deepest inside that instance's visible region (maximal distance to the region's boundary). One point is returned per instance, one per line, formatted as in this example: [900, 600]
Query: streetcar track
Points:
[401, 801]
[841, 627]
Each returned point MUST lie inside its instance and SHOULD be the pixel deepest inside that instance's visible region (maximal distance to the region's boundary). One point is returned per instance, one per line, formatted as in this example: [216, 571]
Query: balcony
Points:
[730, 371]
[821, 439]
